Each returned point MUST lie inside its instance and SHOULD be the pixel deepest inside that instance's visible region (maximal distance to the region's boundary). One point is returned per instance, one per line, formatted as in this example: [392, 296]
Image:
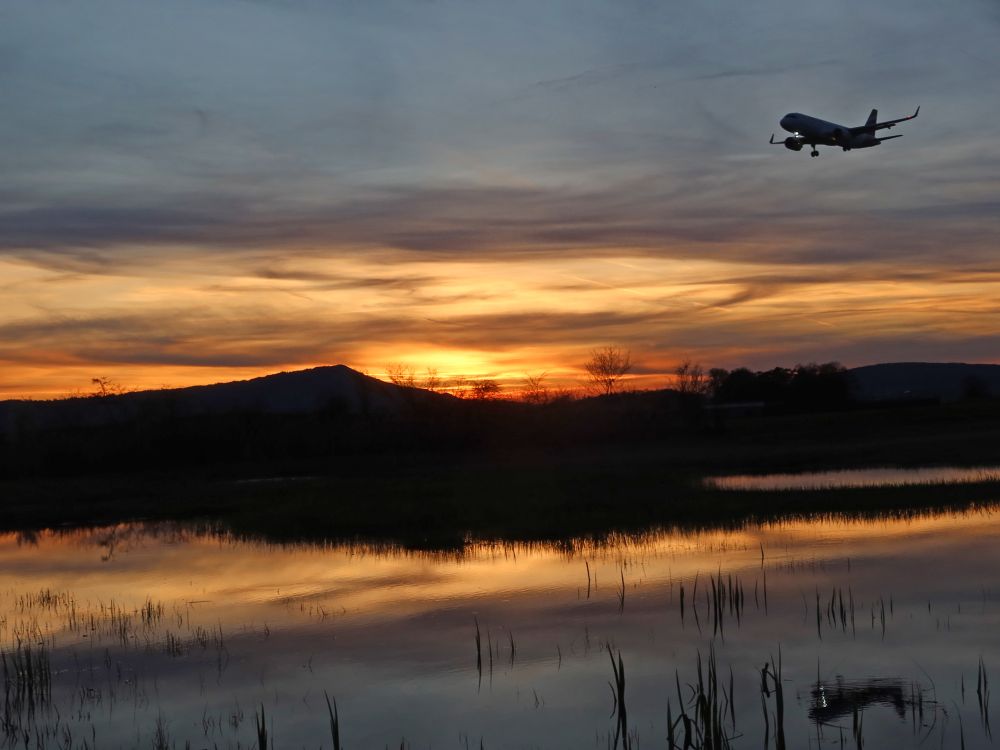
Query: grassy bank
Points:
[441, 499]
[516, 481]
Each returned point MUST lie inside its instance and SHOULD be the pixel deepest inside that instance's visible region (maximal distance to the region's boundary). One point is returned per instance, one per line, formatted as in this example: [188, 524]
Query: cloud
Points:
[591, 77]
[775, 70]
[255, 337]
[504, 222]
[259, 184]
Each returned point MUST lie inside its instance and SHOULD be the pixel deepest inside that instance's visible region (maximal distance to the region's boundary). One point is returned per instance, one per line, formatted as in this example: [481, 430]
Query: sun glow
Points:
[189, 319]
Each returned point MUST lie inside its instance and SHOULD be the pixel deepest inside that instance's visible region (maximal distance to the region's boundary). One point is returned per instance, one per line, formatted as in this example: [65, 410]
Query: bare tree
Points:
[690, 378]
[607, 366]
[459, 386]
[432, 381]
[534, 390]
[400, 374]
[485, 389]
[105, 386]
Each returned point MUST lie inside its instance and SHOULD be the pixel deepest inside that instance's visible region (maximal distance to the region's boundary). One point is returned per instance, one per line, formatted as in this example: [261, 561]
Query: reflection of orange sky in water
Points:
[237, 584]
[189, 320]
[870, 477]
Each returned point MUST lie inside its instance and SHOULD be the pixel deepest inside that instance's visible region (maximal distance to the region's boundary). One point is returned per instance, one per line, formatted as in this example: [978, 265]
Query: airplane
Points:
[805, 129]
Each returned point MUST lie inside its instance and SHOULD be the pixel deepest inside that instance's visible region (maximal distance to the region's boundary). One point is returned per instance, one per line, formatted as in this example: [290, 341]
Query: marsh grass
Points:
[983, 697]
[441, 498]
[707, 717]
[27, 680]
[479, 652]
[619, 710]
[702, 716]
[425, 513]
[334, 721]
[725, 598]
[772, 689]
[161, 735]
[260, 722]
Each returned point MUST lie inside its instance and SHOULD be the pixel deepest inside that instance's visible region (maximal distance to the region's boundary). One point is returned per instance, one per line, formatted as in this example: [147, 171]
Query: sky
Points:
[197, 191]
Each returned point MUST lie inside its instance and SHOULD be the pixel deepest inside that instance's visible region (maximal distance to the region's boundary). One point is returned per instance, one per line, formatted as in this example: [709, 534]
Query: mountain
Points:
[905, 381]
[337, 388]
[340, 390]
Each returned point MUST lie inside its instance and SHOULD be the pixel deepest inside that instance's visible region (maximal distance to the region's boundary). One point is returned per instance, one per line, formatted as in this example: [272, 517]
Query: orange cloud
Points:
[190, 319]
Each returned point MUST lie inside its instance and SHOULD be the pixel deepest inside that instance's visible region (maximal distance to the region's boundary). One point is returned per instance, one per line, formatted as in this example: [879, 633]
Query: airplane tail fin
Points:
[872, 118]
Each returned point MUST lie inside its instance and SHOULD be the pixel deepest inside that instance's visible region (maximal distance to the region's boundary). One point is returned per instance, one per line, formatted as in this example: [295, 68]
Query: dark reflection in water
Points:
[843, 698]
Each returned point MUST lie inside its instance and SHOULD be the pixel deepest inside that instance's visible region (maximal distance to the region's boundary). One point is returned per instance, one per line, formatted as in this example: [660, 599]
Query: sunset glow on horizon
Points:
[501, 320]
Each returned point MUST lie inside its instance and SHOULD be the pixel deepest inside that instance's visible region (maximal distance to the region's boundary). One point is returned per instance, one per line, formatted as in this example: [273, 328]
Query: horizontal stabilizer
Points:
[871, 126]
[890, 137]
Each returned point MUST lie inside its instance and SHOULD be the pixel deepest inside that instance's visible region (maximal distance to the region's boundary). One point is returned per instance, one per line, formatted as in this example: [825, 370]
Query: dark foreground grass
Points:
[443, 501]
[551, 491]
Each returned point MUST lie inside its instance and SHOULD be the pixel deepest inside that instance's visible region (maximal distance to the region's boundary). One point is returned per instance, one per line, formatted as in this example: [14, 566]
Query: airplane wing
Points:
[872, 127]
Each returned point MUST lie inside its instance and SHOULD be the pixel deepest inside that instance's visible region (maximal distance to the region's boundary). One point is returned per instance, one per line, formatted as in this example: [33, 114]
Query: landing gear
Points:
[814, 152]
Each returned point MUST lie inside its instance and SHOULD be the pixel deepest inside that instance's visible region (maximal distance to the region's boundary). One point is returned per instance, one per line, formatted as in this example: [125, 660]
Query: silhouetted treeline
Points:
[804, 388]
[159, 439]
[292, 423]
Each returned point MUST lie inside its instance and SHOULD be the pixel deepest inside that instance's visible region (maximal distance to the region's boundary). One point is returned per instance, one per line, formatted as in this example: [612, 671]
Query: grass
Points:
[260, 721]
[702, 721]
[436, 507]
[983, 696]
[620, 710]
[439, 499]
[27, 671]
[334, 721]
[479, 652]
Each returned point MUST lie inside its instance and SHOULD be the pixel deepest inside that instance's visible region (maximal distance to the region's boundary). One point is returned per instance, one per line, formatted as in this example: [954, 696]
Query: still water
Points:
[887, 476]
[167, 636]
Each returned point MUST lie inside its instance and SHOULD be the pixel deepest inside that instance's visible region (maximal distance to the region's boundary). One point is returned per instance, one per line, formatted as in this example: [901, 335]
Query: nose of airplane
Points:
[786, 123]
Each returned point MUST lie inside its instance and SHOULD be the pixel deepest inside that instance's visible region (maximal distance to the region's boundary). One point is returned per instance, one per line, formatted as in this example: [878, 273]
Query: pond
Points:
[174, 636]
[885, 476]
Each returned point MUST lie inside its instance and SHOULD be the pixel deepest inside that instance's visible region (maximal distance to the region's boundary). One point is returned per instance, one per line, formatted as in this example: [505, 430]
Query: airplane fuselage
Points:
[812, 131]
[816, 132]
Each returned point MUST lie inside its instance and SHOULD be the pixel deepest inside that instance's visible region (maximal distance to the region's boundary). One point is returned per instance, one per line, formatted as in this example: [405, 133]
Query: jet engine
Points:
[793, 144]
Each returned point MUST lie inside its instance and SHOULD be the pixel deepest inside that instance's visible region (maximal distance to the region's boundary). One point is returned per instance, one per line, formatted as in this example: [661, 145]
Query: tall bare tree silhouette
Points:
[607, 366]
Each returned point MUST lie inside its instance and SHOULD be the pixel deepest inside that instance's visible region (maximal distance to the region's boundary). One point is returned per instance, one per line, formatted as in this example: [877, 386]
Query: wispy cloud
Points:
[508, 222]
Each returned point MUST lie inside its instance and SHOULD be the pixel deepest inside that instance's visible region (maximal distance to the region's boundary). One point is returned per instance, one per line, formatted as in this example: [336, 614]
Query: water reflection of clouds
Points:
[391, 628]
[178, 565]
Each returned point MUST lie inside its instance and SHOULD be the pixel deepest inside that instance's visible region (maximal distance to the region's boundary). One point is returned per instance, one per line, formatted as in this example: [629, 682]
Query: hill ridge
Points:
[323, 388]
[945, 381]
